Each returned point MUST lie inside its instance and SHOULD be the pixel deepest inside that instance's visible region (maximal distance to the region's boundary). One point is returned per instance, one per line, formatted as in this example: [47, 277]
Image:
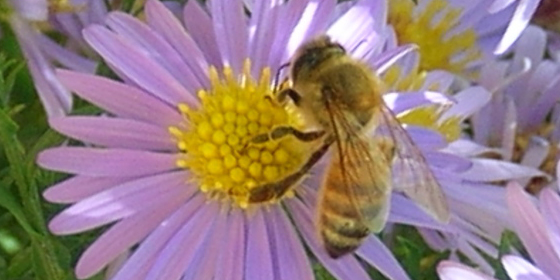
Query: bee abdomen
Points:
[342, 235]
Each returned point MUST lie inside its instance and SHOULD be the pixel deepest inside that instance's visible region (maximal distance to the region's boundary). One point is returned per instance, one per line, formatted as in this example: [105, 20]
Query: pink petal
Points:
[531, 228]
[550, 209]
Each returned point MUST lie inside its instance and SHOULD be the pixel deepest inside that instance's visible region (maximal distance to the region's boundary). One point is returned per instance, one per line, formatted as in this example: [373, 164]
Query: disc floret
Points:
[217, 146]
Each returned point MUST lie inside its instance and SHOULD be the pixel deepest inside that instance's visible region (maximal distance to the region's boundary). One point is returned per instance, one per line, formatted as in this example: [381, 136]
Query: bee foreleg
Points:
[283, 131]
[294, 95]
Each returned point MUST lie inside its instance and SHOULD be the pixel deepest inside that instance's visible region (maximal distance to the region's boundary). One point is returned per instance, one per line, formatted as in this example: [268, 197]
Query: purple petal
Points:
[121, 237]
[263, 25]
[199, 26]
[426, 139]
[56, 100]
[258, 258]
[550, 96]
[531, 45]
[120, 99]
[184, 246]
[448, 270]
[106, 162]
[68, 58]
[378, 255]
[474, 255]
[162, 21]
[400, 102]
[35, 10]
[409, 213]
[388, 58]
[488, 170]
[144, 257]
[80, 187]
[525, 9]
[231, 32]
[204, 264]
[115, 133]
[447, 161]
[531, 228]
[230, 264]
[434, 239]
[291, 260]
[353, 27]
[469, 101]
[151, 43]
[130, 60]
[468, 148]
[290, 13]
[123, 201]
[519, 269]
[344, 268]
[536, 152]
[313, 21]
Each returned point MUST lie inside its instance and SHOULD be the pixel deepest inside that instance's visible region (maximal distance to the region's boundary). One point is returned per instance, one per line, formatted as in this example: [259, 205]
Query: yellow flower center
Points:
[218, 146]
[427, 116]
[521, 144]
[432, 30]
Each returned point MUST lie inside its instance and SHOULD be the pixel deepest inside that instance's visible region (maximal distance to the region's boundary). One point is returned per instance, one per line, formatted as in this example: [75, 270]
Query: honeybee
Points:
[342, 97]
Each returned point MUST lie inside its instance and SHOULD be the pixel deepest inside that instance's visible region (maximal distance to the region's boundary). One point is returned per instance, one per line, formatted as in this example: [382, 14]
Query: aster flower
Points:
[42, 53]
[458, 36]
[522, 119]
[167, 166]
[465, 176]
[538, 229]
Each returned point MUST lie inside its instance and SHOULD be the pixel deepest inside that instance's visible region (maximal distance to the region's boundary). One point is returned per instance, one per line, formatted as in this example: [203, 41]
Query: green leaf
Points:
[20, 264]
[10, 202]
[45, 261]
[20, 172]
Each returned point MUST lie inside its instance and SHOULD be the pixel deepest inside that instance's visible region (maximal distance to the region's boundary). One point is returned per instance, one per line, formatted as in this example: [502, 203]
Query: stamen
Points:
[217, 145]
[433, 31]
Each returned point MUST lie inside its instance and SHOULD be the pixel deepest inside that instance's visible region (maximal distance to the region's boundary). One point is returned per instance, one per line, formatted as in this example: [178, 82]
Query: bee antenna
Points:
[277, 76]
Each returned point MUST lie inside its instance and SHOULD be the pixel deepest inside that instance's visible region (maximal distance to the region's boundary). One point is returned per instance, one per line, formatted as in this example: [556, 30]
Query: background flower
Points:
[538, 230]
[138, 180]
[43, 53]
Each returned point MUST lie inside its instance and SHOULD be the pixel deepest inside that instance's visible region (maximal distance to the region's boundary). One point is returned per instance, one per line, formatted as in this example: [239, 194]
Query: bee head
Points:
[311, 54]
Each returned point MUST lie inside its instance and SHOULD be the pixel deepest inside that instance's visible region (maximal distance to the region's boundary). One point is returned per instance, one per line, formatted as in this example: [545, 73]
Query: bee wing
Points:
[412, 175]
[358, 181]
